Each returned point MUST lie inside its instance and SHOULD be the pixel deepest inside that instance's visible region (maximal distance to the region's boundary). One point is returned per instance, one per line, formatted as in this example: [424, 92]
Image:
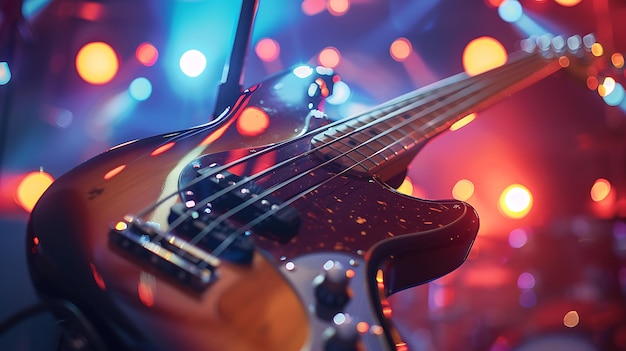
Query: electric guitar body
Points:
[288, 239]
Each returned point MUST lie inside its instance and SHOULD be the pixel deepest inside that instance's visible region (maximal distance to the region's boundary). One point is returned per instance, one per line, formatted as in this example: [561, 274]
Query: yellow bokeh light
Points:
[483, 54]
[568, 3]
[463, 122]
[31, 188]
[515, 201]
[463, 190]
[600, 189]
[97, 63]
[597, 50]
[406, 187]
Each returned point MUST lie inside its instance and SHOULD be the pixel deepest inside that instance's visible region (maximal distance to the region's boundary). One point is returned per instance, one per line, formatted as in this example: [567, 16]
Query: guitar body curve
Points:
[305, 211]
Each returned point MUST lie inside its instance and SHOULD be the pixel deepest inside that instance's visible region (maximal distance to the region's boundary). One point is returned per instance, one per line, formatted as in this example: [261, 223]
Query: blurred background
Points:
[545, 169]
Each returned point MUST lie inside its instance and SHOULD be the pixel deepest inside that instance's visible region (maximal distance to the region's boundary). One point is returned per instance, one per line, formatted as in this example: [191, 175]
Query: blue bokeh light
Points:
[510, 11]
[140, 89]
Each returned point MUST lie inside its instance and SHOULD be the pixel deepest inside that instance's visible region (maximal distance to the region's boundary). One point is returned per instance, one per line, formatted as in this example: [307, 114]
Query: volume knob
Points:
[331, 290]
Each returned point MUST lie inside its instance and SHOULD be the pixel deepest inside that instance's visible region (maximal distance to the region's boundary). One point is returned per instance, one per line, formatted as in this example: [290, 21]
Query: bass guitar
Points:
[292, 239]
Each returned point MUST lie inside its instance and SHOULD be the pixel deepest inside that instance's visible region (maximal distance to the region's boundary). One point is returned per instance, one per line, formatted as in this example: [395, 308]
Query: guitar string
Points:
[200, 204]
[423, 93]
[241, 231]
[225, 216]
[259, 219]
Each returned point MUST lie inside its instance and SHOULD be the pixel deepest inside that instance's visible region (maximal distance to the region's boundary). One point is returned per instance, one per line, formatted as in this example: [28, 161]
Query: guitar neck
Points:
[364, 144]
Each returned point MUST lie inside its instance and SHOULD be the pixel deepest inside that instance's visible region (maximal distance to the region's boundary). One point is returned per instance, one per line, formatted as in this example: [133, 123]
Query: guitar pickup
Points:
[281, 223]
[175, 257]
[240, 250]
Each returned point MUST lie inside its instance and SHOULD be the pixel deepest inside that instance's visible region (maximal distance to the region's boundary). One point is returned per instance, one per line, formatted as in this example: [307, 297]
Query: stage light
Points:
[607, 86]
[493, 3]
[97, 63]
[303, 71]
[597, 50]
[463, 190]
[483, 54]
[515, 201]
[592, 83]
[329, 57]
[267, 49]
[192, 63]
[5, 73]
[400, 49]
[462, 122]
[31, 188]
[510, 11]
[252, 121]
[140, 89]
[313, 7]
[568, 3]
[147, 54]
[338, 7]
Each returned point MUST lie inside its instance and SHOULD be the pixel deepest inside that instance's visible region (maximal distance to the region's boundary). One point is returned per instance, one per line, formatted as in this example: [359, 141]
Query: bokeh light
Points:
[568, 3]
[313, 7]
[616, 96]
[510, 11]
[518, 237]
[267, 49]
[515, 201]
[147, 54]
[463, 190]
[571, 319]
[252, 121]
[338, 7]
[329, 57]
[483, 54]
[97, 63]
[31, 188]
[400, 49]
[617, 60]
[5, 73]
[140, 89]
[526, 281]
[192, 63]
[600, 190]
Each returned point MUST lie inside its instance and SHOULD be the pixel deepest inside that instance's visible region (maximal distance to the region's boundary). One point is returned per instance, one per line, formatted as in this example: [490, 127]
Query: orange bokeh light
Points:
[253, 121]
[400, 49]
[600, 190]
[329, 57]
[338, 7]
[483, 54]
[97, 63]
[31, 188]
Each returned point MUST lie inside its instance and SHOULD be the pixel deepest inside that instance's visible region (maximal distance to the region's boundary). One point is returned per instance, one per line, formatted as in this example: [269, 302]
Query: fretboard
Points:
[366, 143]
